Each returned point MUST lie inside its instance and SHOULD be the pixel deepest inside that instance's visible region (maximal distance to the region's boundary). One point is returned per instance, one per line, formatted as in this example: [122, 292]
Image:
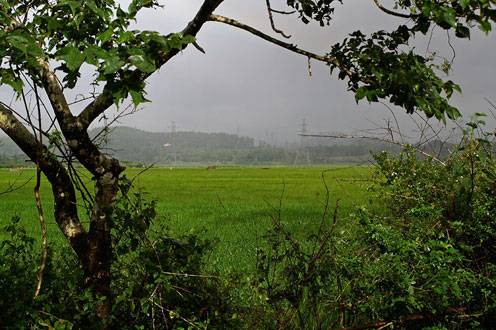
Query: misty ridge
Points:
[139, 148]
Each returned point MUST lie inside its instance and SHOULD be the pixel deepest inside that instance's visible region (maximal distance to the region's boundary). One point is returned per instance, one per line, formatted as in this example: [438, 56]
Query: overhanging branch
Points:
[260, 34]
[392, 12]
[105, 99]
[63, 190]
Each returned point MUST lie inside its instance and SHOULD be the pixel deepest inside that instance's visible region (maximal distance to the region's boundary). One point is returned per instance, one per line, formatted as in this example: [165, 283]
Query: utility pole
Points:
[302, 149]
[173, 133]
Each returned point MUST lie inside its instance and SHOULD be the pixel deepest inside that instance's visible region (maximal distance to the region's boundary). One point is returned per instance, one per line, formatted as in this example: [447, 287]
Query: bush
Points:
[157, 281]
[429, 258]
[424, 260]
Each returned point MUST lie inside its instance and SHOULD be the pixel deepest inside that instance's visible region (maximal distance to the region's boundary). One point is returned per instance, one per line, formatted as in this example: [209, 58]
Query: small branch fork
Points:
[326, 59]
[271, 19]
[12, 186]
[392, 12]
[376, 139]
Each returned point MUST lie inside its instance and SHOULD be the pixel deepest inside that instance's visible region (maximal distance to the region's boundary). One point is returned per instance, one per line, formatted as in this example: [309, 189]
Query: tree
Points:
[44, 44]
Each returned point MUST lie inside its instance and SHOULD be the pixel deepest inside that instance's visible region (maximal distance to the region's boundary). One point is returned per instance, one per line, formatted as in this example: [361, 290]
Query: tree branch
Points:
[375, 138]
[105, 99]
[391, 12]
[74, 132]
[56, 96]
[272, 24]
[62, 187]
[326, 59]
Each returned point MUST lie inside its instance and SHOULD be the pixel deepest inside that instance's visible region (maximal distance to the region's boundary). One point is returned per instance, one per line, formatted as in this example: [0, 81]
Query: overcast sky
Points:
[244, 84]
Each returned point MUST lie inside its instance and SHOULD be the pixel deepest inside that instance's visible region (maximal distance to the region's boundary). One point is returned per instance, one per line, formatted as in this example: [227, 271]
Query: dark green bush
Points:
[158, 281]
[425, 259]
[429, 258]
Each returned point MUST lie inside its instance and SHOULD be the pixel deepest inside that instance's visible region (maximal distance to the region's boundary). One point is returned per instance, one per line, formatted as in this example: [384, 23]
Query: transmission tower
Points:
[173, 137]
[302, 149]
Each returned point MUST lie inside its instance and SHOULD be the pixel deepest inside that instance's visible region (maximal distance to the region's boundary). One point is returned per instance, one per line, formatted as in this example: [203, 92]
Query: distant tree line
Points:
[140, 148]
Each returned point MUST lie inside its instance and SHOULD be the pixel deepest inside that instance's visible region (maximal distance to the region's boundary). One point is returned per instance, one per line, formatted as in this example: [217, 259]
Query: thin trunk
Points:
[44, 242]
[98, 260]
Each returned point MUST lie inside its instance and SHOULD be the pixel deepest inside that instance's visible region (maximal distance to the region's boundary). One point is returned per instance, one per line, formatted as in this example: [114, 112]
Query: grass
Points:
[231, 205]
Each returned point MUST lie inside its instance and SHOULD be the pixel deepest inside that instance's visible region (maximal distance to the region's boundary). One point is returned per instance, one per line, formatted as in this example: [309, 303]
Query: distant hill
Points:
[189, 148]
[136, 145]
[8, 147]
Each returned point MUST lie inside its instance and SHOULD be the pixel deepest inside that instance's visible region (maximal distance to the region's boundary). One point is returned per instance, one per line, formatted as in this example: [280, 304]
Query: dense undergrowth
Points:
[426, 259]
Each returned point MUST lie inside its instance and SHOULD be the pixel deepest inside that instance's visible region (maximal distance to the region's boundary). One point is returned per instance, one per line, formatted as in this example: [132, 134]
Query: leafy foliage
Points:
[95, 32]
[295, 277]
[377, 68]
[424, 260]
[98, 33]
[158, 280]
[320, 11]
[385, 66]
[430, 258]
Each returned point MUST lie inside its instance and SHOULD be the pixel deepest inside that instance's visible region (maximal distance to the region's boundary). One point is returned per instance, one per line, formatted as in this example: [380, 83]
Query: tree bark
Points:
[65, 210]
[99, 255]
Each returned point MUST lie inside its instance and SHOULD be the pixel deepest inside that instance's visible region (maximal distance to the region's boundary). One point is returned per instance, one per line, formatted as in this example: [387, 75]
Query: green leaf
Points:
[360, 93]
[485, 26]
[138, 97]
[142, 63]
[94, 54]
[91, 4]
[19, 41]
[16, 84]
[112, 64]
[125, 37]
[462, 31]
[452, 112]
[72, 57]
[106, 35]
[74, 5]
[188, 39]
[178, 41]
[449, 17]
[372, 96]
[464, 3]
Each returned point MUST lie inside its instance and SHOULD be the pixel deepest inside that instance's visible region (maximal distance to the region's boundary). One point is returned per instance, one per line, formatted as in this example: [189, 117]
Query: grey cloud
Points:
[248, 85]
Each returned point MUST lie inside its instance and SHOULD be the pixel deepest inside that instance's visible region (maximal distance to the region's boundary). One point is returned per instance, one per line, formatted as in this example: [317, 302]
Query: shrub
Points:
[157, 281]
[424, 260]
[429, 258]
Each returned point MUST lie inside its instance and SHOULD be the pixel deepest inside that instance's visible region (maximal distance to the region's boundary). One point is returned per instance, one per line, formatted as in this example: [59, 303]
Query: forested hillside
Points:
[138, 147]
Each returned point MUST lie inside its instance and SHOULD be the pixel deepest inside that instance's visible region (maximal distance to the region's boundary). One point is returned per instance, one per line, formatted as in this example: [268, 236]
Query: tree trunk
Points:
[98, 259]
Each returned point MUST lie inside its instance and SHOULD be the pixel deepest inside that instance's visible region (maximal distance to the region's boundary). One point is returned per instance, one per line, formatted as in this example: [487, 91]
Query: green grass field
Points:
[231, 205]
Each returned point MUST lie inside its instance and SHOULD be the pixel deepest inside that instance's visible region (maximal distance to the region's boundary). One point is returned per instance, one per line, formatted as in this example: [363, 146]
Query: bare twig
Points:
[283, 12]
[141, 172]
[493, 106]
[82, 99]
[376, 139]
[39, 207]
[391, 12]
[272, 24]
[326, 59]
[13, 187]
[188, 275]
[44, 243]
[451, 46]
